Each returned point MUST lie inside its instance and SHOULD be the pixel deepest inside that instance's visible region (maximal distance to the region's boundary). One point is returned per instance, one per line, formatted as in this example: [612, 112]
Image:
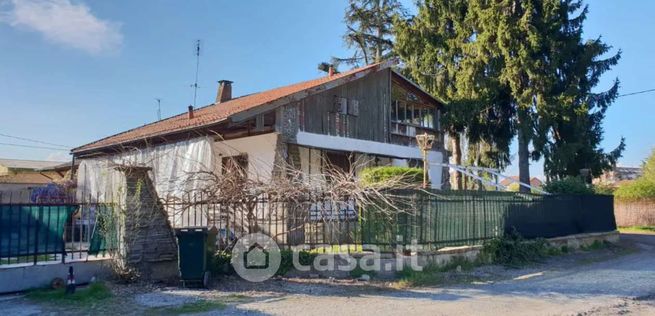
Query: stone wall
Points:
[634, 213]
[148, 240]
[391, 263]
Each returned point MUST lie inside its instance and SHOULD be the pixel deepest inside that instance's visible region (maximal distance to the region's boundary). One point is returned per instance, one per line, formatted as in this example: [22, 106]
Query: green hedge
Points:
[569, 185]
[374, 175]
[643, 187]
[639, 189]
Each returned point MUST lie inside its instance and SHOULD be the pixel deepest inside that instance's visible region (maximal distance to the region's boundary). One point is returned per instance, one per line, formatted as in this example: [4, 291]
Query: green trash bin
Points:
[192, 245]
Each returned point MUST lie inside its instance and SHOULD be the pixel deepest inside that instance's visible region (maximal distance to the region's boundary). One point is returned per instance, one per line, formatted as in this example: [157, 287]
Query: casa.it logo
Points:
[256, 257]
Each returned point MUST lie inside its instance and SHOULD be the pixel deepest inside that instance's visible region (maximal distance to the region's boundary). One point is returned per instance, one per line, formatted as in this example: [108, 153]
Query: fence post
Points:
[36, 234]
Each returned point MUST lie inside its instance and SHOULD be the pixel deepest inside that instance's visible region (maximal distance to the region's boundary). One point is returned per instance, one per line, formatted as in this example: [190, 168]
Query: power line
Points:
[30, 146]
[638, 92]
[35, 141]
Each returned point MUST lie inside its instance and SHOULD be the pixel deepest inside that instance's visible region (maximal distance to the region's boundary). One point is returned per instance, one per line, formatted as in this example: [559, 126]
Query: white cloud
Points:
[64, 22]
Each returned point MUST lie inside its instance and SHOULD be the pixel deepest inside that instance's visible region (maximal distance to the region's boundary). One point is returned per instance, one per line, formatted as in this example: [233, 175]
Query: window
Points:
[338, 160]
[401, 112]
[394, 111]
[407, 108]
[408, 114]
[418, 115]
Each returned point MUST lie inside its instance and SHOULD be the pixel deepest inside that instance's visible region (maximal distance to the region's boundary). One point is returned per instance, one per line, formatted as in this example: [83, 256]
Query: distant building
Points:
[19, 177]
[617, 175]
[534, 182]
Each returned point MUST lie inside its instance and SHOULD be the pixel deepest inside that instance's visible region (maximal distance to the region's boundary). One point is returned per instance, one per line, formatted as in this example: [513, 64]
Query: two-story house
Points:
[372, 111]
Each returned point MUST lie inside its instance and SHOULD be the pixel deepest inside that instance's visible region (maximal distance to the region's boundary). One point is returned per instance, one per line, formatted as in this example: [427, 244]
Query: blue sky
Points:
[75, 71]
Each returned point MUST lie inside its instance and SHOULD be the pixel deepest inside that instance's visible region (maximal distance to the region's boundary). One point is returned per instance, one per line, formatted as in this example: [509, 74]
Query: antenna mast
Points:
[158, 108]
[195, 84]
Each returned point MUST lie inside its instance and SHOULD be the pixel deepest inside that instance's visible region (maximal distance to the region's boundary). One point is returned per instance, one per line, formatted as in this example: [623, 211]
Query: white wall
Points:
[260, 150]
[171, 165]
[401, 153]
[311, 165]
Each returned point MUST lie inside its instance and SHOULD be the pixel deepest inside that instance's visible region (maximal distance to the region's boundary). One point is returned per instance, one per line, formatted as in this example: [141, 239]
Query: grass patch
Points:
[338, 249]
[91, 294]
[642, 229]
[433, 274]
[596, 245]
[200, 306]
[358, 272]
[514, 251]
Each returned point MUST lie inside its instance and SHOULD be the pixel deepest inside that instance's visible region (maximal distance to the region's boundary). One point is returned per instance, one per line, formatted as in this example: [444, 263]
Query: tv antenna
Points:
[158, 108]
[195, 84]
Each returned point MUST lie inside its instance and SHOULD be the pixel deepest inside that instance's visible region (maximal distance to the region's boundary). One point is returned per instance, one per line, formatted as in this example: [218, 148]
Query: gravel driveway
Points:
[594, 283]
[579, 286]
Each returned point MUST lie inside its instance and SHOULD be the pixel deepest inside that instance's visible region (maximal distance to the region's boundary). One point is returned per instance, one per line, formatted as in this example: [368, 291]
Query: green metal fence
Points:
[449, 218]
[433, 218]
[54, 232]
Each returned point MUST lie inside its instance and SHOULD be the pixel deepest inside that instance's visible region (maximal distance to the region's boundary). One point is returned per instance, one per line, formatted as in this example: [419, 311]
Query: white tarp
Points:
[171, 165]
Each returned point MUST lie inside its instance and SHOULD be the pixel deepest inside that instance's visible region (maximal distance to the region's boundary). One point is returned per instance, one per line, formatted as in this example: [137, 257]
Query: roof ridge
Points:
[33, 160]
[232, 104]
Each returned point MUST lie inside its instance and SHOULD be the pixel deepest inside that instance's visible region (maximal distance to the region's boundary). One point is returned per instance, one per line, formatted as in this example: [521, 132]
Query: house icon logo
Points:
[256, 257]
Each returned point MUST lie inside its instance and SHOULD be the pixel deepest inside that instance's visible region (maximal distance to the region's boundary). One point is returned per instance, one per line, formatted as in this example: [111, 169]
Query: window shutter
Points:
[340, 105]
[353, 107]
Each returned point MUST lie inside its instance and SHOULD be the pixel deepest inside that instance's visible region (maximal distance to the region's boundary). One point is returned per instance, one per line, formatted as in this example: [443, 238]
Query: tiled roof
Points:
[535, 182]
[25, 178]
[216, 113]
[27, 164]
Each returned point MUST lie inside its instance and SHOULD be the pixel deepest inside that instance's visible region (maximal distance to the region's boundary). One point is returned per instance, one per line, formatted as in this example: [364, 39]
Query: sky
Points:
[74, 71]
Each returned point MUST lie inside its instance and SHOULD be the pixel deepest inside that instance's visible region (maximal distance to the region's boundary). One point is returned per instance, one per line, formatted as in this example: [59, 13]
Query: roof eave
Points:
[81, 150]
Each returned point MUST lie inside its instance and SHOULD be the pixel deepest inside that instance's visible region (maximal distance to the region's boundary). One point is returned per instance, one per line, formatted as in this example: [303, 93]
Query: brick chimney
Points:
[190, 114]
[331, 71]
[224, 93]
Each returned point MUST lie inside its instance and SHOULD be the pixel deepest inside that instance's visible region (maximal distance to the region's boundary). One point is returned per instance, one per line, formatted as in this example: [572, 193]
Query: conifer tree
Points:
[370, 30]
[442, 51]
[571, 121]
[521, 66]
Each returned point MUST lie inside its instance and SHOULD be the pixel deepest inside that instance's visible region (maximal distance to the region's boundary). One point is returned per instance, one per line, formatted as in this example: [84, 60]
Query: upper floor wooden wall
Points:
[359, 109]
[371, 95]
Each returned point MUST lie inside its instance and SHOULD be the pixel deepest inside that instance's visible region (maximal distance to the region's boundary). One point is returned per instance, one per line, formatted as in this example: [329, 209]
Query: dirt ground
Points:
[615, 281]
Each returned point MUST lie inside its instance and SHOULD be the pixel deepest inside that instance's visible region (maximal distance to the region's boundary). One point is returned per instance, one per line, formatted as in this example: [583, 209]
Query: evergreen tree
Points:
[571, 121]
[520, 33]
[370, 30]
[442, 51]
[514, 66]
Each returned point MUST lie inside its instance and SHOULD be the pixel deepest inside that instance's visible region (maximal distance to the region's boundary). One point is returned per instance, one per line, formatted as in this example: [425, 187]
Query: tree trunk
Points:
[524, 151]
[457, 157]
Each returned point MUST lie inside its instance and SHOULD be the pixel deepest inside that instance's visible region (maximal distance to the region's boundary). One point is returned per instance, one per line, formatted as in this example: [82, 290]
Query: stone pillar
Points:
[149, 242]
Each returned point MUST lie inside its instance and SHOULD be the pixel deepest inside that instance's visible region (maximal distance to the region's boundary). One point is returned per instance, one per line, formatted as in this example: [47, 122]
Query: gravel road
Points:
[599, 283]
[624, 284]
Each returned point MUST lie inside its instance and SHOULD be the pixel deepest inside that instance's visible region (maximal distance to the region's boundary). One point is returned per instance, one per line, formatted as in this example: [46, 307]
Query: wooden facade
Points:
[328, 112]
[362, 109]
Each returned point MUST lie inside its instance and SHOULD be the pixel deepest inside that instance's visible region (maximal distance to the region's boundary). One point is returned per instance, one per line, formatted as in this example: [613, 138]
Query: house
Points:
[372, 112]
[19, 177]
[534, 182]
[618, 175]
